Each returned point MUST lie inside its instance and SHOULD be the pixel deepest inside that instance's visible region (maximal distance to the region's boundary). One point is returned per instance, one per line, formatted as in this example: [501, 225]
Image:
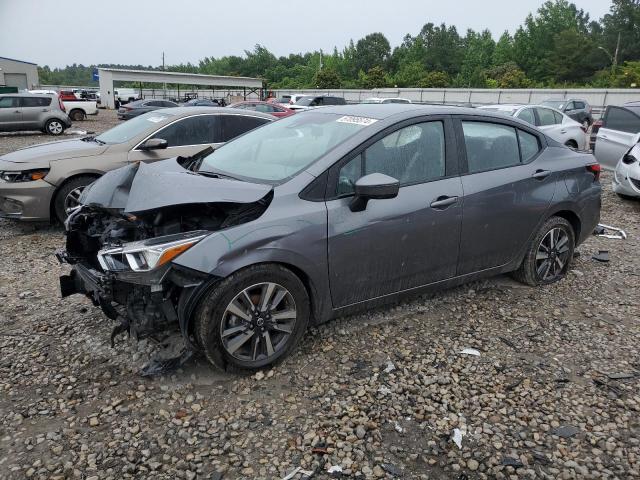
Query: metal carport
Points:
[108, 75]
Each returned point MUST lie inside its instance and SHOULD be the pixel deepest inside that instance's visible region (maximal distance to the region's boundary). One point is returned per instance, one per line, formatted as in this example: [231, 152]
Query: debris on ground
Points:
[602, 256]
[565, 431]
[298, 470]
[606, 232]
[390, 367]
[457, 437]
[470, 351]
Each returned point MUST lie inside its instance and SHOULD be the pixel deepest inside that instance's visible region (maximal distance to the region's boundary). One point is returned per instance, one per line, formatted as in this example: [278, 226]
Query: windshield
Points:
[554, 104]
[132, 128]
[281, 149]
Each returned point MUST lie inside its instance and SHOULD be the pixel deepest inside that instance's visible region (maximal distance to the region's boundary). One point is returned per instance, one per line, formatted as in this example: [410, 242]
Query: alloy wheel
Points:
[72, 200]
[552, 256]
[258, 322]
[55, 127]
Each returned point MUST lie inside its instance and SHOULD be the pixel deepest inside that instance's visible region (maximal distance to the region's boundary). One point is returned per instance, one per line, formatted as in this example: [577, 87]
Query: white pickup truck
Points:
[79, 109]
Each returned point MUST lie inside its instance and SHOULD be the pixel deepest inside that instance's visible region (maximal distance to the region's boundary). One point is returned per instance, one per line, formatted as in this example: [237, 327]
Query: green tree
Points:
[443, 48]
[508, 75]
[503, 53]
[372, 51]
[374, 78]
[410, 74]
[624, 20]
[327, 78]
[435, 80]
[478, 54]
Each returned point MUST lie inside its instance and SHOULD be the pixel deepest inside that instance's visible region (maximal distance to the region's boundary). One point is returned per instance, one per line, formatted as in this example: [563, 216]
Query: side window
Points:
[36, 101]
[490, 146]
[546, 117]
[316, 102]
[618, 118]
[570, 106]
[579, 105]
[8, 102]
[153, 103]
[235, 125]
[196, 130]
[413, 154]
[529, 145]
[527, 116]
[261, 107]
[558, 117]
[168, 104]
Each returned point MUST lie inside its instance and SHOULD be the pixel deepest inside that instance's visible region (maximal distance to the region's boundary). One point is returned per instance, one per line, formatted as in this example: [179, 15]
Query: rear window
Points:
[36, 101]
[235, 125]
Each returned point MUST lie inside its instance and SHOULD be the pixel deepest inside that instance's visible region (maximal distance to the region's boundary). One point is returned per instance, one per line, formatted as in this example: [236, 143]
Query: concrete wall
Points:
[596, 97]
[16, 67]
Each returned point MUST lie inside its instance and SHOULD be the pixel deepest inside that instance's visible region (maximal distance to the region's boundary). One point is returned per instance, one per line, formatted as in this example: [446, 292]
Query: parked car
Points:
[626, 178]
[47, 179]
[552, 122]
[386, 100]
[201, 102]
[126, 95]
[27, 111]
[617, 134]
[324, 213]
[133, 109]
[308, 102]
[265, 107]
[67, 95]
[79, 109]
[282, 100]
[576, 108]
[293, 98]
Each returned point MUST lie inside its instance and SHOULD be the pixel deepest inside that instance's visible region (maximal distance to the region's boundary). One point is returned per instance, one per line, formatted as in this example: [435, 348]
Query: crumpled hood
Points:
[52, 151]
[142, 186]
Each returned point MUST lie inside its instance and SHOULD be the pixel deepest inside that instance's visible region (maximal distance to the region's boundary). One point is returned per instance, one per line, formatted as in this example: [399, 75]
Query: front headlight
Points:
[148, 254]
[24, 175]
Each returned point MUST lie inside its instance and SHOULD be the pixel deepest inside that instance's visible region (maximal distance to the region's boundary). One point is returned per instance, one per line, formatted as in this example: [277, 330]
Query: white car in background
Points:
[554, 123]
[386, 100]
[293, 98]
[626, 179]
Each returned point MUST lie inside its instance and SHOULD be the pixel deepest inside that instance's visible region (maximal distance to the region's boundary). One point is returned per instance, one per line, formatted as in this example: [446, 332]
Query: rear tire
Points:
[549, 254]
[235, 334]
[77, 115]
[68, 194]
[54, 127]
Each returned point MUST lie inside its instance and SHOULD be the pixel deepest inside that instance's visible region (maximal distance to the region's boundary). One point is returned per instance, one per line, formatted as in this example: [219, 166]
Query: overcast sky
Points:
[136, 32]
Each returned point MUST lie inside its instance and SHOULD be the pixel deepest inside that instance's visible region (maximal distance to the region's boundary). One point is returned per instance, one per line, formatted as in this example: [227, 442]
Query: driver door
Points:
[404, 242]
[185, 137]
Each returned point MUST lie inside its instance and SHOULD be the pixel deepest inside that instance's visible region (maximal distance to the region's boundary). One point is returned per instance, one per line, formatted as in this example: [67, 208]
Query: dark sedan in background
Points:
[264, 107]
[323, 213]
[133, 109]
[201, 102]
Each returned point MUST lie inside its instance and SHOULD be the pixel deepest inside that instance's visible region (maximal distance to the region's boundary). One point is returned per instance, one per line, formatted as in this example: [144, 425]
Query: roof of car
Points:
[185, 111]
[381, 111]
[26, 94]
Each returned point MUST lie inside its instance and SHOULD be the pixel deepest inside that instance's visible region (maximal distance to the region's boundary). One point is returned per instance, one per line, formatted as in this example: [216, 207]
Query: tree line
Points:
[557, 46]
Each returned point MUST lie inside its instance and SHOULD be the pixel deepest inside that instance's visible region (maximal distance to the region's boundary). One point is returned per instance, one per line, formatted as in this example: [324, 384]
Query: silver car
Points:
[323, 213]
[626, 178]
[27, 111]
[46, 180]
[617, 134]
[554, 123]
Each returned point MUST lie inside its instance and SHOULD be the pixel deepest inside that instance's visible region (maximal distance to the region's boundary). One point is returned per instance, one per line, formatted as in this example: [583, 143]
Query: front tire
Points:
[253, 318]
[549, 254]
[77, 115]
[68, 196]
[54, 127]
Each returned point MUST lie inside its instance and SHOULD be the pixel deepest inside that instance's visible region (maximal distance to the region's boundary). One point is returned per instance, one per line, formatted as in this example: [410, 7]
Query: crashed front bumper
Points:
[152, 302]
[624, 182]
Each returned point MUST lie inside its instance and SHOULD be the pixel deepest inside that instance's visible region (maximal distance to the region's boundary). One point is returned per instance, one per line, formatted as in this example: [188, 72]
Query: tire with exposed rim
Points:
[68, 195]
[54, 127]
[549, 254]
[253, 318]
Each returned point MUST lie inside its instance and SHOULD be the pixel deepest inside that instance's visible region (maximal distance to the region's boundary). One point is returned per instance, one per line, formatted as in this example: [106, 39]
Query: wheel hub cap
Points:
[552, 256]
[258, 322]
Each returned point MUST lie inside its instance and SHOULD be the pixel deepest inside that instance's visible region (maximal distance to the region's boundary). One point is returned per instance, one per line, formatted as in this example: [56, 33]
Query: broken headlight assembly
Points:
[13, 176]
[145, 255]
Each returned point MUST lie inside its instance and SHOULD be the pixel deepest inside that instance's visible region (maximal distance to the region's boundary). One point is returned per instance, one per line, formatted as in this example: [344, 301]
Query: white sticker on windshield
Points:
[357, 120]
[156, 119]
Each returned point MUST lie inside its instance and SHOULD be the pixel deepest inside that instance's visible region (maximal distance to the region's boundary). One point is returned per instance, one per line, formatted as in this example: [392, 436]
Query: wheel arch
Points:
[88, 173]
[571, 217]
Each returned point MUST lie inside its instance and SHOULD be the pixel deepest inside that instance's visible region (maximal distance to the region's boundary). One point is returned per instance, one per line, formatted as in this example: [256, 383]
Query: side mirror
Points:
[375, 186]
[154, 144]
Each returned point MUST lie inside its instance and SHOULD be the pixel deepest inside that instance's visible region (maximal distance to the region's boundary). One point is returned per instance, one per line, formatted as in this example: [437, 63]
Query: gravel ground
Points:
[553, 393]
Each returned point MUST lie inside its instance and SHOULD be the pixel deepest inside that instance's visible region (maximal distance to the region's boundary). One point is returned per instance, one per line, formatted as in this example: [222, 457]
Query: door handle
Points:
[541, 174]
[443, 202]
[16, 111]
[563, 131]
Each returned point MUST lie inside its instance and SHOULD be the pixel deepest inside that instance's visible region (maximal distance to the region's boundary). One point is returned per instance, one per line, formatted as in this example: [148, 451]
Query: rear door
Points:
[616, 135]
[550, 122]
[186, 136]
[10, 114]
[34, 109]
[399, 243]
[508, 187]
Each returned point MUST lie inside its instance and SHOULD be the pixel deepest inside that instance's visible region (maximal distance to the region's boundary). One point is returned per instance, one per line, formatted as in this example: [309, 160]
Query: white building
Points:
[16, 73]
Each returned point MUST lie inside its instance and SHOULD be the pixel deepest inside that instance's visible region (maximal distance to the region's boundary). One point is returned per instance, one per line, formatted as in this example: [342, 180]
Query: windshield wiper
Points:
[209, 174]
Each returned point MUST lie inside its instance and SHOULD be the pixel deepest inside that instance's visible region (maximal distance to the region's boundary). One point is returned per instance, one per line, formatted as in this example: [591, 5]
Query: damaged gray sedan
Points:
[322, 214]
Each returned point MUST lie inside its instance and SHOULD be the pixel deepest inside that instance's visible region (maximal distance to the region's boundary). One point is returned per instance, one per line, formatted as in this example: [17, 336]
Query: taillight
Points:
[595, 169]
[61, 105]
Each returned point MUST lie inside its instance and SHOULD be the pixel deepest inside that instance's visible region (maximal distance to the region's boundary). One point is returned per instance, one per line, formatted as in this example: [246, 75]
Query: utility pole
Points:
[164, 84]
[615, 56]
